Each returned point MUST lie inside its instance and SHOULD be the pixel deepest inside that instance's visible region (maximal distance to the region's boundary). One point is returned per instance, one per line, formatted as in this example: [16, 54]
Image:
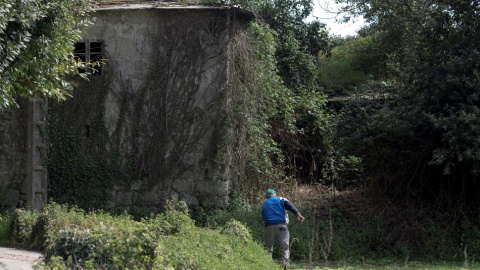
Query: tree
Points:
[352, 64]
[435, 113]
[296, 126]
[301, 123]
[36, 40]
[298, 41]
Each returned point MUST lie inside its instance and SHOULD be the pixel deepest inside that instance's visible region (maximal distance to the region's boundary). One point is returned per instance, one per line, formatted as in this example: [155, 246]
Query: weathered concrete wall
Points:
[161, 108]
[13, 156]
[23, 176]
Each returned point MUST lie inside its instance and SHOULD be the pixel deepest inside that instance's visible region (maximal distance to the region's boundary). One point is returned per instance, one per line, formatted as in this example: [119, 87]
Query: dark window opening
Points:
[87, 131]
[95, 47]
[90, 53]
[80, 47]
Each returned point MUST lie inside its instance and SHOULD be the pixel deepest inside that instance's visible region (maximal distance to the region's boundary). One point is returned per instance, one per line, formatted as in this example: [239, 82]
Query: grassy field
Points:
[388, 265]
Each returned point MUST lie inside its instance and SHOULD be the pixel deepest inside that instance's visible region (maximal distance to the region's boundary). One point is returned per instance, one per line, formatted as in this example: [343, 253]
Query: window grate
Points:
[91, 53]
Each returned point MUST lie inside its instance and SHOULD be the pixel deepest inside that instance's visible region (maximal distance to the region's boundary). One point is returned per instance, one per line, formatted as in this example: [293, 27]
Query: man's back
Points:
[273, 211]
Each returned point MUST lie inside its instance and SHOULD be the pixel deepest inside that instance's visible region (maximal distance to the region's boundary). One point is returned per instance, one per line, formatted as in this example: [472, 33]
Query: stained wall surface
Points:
[13, 152]
[152, 125]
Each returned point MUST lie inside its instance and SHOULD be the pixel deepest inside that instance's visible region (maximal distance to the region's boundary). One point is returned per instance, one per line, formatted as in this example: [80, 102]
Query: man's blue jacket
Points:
[274, 210]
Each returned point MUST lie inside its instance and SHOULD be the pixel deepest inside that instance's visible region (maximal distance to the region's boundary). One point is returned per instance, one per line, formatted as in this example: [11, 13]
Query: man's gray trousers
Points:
[280, 233]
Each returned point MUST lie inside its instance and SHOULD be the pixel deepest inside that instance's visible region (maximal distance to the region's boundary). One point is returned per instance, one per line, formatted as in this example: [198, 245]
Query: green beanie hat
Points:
[270, 192]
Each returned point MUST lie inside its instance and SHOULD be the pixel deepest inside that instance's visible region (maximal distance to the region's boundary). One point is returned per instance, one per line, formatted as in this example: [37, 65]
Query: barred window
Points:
[91, 53]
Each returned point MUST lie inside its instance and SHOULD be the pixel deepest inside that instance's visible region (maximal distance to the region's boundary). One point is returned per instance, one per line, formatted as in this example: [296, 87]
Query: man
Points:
[275, 218]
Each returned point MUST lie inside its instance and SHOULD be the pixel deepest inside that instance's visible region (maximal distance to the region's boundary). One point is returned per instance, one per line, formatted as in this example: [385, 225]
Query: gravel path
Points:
[16, 259]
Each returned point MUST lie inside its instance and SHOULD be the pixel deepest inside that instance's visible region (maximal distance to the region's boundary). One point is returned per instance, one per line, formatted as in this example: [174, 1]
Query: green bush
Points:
[23, 222]
[129, 247]
[74, 239]
[116, 242]
[236, 228]
[6, 229]
[250, 215]
[208, 249]
[233, 239]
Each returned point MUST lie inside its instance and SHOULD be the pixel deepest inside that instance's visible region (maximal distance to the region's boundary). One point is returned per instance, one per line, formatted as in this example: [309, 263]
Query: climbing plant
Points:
[78, 168]
[253, 81]
[277, 123]
[132, 139]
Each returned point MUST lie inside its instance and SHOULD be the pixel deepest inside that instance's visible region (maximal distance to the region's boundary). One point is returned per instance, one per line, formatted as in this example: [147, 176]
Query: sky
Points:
[334, 27]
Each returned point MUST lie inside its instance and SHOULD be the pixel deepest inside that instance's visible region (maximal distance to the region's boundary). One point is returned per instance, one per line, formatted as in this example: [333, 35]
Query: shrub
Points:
[236, 228]
[209, 249]
[174, 220]
[74, 239]
[23, 222]
[39, 231]
[6, 229]
[108, 247]
[112, 242]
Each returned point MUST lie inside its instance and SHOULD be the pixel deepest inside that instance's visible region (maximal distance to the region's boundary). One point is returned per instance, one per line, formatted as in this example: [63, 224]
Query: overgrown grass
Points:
[331, 234]
[330, 238]
[308, 240]
[74, 239]
[388, 265]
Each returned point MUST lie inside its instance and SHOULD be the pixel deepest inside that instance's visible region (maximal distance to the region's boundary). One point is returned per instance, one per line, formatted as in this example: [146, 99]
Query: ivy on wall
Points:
[170, 127]
[79, 172]
[254, 84]
[192, 118]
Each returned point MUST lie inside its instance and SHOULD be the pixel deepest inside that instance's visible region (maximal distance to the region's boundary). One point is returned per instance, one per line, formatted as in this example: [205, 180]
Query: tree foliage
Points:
[298, 41]
[301, 123]
[36, 39]
[441, 70]
[427, 131]
[352, 63]
[290, 128]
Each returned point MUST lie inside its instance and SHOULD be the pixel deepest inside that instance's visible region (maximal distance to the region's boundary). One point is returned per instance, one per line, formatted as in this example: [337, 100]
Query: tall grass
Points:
[74, 239]
[376, 264]
[332, 234]
[308, 240]
[330, 238]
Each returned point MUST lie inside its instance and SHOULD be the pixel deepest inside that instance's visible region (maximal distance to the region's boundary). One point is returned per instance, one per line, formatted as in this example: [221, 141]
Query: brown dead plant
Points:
[327, 239]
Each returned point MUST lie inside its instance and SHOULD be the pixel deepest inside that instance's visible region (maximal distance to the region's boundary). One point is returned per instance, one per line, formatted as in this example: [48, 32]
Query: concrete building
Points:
[150, 123]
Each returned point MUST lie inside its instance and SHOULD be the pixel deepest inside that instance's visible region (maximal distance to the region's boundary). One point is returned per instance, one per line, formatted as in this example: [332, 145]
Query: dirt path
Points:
[16, 259]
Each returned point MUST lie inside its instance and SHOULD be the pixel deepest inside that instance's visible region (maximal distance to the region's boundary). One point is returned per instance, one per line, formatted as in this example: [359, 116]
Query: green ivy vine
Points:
[77, 168]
